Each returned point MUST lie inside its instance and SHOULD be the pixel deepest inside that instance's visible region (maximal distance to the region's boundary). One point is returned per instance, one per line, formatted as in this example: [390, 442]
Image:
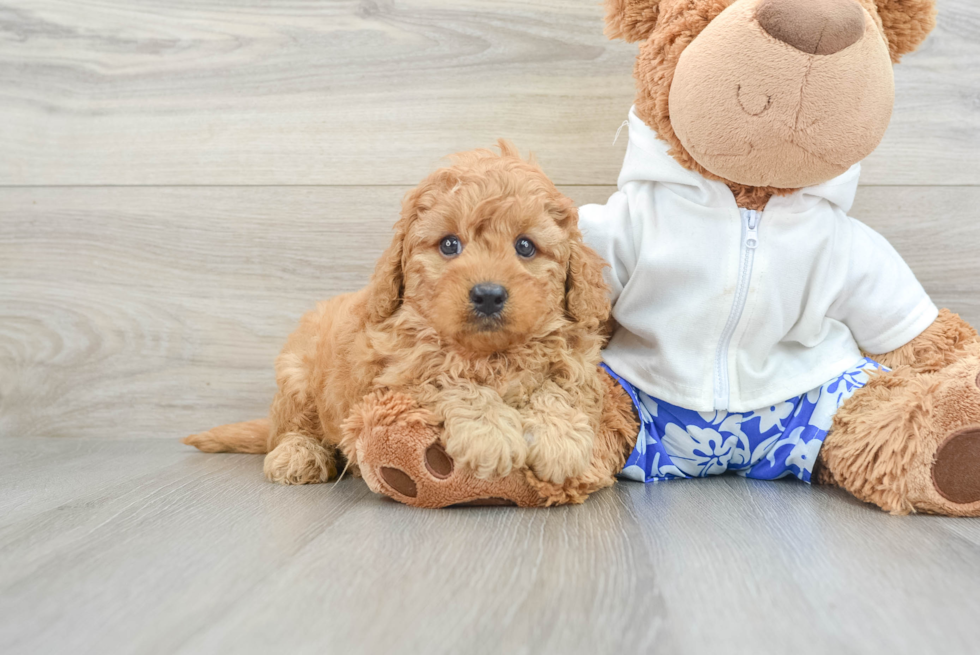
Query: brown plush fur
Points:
[631, 20]
[678, 25]
[906, 23]
[667, 27]
[521, 390]
[884, 441]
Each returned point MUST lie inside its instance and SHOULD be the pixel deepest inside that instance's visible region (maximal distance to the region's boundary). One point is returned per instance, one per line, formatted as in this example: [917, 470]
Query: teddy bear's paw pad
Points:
[438, 462]
[956, 472]
[400, 481]
[487, 502]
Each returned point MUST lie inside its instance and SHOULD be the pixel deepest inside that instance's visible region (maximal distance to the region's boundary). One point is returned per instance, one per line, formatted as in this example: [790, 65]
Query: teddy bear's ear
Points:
[631, 20]
[907, 23]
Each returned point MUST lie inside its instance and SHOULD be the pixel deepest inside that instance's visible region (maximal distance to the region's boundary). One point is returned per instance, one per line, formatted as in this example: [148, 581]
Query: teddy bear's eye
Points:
[450, 246]
[525, 247]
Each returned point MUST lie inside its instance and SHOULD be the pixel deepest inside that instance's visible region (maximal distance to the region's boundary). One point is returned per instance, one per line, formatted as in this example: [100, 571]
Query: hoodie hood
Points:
[647, 160]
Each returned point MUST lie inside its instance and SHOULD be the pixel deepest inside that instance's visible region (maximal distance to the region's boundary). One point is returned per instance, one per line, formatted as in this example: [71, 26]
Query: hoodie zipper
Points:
[750, 241]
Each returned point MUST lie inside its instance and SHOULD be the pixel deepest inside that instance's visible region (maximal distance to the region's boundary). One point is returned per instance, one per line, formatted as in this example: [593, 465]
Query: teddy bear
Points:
[756, 328]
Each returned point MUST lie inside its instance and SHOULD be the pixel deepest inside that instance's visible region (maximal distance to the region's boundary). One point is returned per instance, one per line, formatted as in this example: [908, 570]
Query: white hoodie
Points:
[724, 308]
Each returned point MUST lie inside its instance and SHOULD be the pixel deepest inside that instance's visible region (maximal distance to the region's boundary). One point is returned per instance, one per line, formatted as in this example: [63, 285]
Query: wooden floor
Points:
[140, 546]
[181, 179]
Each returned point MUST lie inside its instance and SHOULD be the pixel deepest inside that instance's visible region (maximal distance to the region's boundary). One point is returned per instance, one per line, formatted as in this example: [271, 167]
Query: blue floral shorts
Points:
[766, 444]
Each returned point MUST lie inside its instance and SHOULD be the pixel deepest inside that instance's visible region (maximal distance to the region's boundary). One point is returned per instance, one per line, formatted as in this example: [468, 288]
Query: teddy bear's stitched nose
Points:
[816, 27]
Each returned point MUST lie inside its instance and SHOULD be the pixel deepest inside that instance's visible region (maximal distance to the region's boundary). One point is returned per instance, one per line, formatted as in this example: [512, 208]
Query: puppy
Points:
[486, 309]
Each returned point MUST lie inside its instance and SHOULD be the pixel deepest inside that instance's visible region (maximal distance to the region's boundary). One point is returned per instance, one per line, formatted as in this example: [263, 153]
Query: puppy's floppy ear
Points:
[907, 23]
[388, 281]
[631, 20]
[586, 292]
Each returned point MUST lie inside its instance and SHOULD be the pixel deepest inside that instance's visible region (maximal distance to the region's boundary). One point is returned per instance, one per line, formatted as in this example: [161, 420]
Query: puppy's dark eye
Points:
[525, 247]
[450, 245]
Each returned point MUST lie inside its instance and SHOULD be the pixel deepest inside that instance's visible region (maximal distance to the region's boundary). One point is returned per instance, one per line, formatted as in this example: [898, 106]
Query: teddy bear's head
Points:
[769, 95]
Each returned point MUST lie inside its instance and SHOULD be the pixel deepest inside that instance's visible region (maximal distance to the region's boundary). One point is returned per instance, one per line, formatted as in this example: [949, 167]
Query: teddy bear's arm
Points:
[941, 344]
[878, 296]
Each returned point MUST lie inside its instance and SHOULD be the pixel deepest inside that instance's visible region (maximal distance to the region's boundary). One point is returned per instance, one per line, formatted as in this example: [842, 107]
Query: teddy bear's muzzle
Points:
[783, 93]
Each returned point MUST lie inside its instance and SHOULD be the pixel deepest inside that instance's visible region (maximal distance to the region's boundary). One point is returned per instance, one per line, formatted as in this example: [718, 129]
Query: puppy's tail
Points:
[247, 437]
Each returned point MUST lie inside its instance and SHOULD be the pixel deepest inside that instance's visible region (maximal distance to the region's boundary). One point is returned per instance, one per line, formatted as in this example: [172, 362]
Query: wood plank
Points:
[366, 92]
[156, 312]
[177, 299]
[820, 570]
[197, 553]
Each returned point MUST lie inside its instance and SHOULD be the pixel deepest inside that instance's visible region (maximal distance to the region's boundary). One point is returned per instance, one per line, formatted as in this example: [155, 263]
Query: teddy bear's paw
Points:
[436, 479]
[910, 442]
[956, 466]
[951, 483]
[956, 471]
[437, 463]
[437, 482]
[407, 462]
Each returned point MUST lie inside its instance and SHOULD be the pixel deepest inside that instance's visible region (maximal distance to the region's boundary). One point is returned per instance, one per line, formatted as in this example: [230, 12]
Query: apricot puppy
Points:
[485, 310]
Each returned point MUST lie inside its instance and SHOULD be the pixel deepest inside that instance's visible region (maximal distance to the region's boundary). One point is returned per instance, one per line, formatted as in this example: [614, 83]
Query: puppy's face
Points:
[486, 258]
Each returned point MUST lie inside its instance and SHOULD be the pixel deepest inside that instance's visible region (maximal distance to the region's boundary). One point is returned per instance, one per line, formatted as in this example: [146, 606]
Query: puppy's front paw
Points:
[560, 447]
[491, 445]
[299, 459]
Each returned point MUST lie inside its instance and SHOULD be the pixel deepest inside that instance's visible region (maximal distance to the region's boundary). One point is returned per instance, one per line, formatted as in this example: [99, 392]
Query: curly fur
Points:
[400, 359]
[615, 440]
[521, 391]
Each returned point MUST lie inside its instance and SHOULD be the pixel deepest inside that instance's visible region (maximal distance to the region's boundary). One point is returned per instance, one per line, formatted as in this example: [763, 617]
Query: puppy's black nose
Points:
[488, 299]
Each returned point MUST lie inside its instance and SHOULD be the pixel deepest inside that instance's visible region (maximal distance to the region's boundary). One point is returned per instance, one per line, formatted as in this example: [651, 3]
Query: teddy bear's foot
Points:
[398, 450]
[438, 482]
[910, 442]
[956, 472]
